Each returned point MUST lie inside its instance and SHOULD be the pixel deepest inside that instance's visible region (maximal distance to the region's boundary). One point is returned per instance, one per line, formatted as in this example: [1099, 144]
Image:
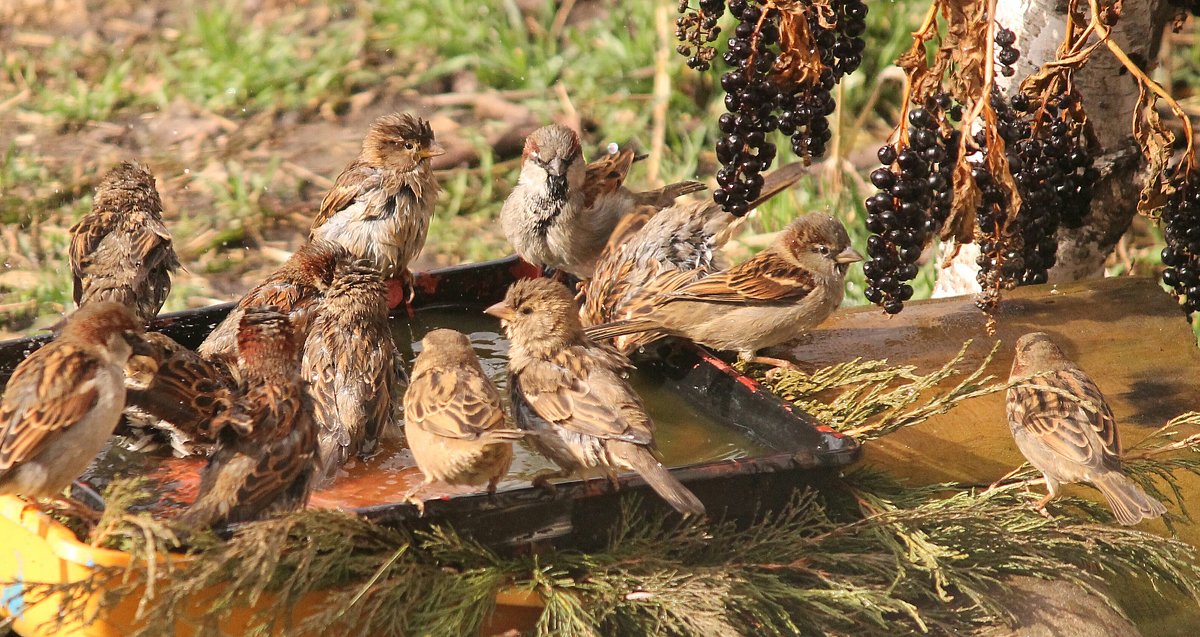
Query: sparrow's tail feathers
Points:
[779, 180]
[619, 328]
[666, 195]
[501, 435]
[1129, 503]
[664, 484]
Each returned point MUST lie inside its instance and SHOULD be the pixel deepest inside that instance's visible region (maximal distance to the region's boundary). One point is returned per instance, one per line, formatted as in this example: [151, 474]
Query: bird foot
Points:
[76, 509]
[542, 481]
[778, 365]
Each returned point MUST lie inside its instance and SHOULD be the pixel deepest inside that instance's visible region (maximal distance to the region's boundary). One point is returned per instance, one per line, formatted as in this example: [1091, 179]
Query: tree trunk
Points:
[1109, 97]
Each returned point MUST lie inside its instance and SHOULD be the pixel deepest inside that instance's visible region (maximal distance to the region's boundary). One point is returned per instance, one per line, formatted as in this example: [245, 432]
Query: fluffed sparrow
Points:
[294, 289]
[266, 453]
[1066, 430]
[121, 251]
[562, 212]
[568, 392]
[350, 365]
[380, 206]
[453, 418]
[174, 390]
[774, 297]
[63, 402]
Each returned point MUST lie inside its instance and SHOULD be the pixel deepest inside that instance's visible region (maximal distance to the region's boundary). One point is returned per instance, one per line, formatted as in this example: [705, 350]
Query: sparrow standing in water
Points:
[380, 206]
[121, 251]
[266, 454]
[569, 394]
[349, 364]
[453, 418]
[63, 402]
[1066, 430]
[776, 296]
[562, 212]
[294, 289]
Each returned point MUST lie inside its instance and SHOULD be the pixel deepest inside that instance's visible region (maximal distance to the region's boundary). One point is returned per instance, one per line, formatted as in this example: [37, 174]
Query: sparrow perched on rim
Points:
[63, 402]
[1066, 430]
[350, 365]
[380, 206]
[453, 418]
[774, 297]
[562, 212]
[172, 389]
[294, 289]
[121, 251]
[674, 247]
[569, 394]
[266, 454]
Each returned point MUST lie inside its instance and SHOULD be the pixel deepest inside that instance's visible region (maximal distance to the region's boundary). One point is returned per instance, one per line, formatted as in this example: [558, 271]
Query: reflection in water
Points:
[684, 436]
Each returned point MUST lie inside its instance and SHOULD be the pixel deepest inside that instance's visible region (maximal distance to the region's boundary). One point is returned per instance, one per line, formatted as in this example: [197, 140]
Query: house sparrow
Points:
[121, 251]
[453, 418]
[380, 206]
[672, 248]
[349, 364]
[1066, 430]
[561, 212]
[294, 289]
[64, 401]
[172, 389]
[780, 293]
[569, 394]
[266, 453]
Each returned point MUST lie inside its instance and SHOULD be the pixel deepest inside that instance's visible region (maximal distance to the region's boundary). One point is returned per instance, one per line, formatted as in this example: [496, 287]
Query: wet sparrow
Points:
[172, 389]
[63, 402]
[349, 364]
[380, 206]
[453, 418]
[1066, 430]
[568, 392]
[121, 251]
[266, 453]
[777, 295]
[294, 289]
[562, 212]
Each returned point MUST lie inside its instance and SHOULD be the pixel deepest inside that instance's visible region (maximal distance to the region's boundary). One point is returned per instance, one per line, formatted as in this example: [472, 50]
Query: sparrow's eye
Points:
[823, 250]
[409, 145]
[526, 311]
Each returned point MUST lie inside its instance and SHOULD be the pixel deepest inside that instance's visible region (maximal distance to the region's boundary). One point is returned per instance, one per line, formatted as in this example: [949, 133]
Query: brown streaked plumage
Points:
[562, 212]
[568, 392]
[294, 289]
[349, 364]
[381, 204]
[774, 297]
[266, 454]
[172, 389]
[1065, 428]
[453, 418]
[121, 251]
[63, 402]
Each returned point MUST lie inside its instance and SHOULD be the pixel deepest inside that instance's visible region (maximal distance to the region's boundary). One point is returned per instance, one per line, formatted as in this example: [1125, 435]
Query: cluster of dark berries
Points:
[772, 87]
[696, 30]
[915, 190]
[1181, 229]
[1008, 54]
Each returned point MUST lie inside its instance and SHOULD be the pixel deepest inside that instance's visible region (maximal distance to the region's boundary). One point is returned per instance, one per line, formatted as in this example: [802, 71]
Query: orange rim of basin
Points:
[37, 548]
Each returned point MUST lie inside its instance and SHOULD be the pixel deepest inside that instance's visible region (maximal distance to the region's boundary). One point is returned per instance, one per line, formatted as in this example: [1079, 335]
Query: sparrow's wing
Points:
[460, 403]
[48, 392]
[348, 375]
[574, 391]
[1066, 412]
[85, 236]
[152, 245]
[358, 178]
[606, 175]
[766, 278]
[282, 438]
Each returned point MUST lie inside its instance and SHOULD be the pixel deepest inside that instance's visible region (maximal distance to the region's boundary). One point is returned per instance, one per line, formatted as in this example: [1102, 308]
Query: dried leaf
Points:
[1155, 141]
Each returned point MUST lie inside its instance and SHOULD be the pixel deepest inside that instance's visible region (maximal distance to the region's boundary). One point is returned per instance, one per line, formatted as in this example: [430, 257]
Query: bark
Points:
[1109, 96]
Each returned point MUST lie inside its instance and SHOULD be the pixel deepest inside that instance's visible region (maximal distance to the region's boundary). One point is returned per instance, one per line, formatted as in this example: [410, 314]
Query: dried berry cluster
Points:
[1046, 153]
[915, 192]
[1008, 54]
[1181, 229]
[696, 30]
[786, 57]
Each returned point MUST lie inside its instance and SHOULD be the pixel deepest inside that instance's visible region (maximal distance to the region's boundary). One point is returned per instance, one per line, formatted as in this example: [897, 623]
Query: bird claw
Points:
[542, 481]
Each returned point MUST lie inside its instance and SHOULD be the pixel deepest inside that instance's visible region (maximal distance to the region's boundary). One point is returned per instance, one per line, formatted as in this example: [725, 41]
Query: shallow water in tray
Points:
[684, 436]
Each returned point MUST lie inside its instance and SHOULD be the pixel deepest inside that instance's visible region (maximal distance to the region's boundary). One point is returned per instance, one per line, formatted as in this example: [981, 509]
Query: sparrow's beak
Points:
[847, 256]
[501, 311]
[434, 150]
